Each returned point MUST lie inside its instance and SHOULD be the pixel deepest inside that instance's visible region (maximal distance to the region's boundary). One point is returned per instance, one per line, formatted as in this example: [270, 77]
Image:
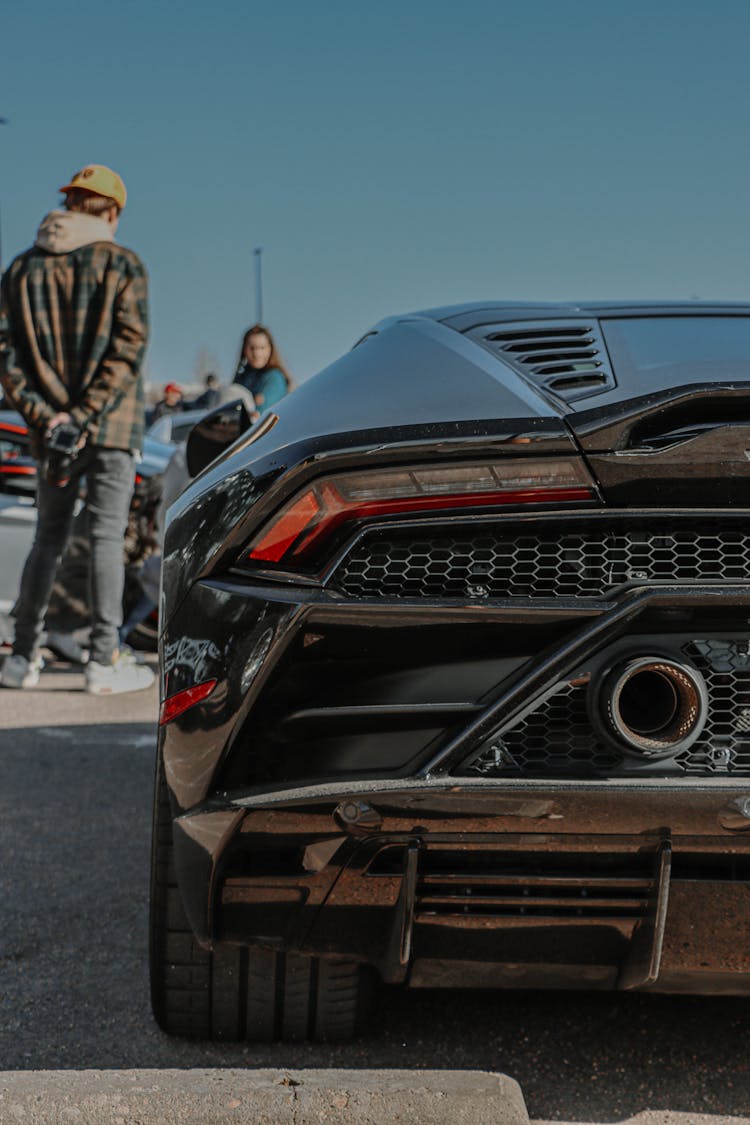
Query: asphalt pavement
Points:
[75, 811]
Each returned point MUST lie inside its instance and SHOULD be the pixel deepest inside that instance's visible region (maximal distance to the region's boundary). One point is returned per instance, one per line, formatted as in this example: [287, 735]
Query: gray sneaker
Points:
[121, 676]
[18, 672]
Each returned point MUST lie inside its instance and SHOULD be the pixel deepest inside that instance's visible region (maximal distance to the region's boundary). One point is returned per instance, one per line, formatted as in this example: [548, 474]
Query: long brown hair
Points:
[274, 360]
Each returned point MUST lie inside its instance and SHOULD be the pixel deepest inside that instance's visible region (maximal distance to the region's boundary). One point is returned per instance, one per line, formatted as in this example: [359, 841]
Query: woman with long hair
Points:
[260, 369]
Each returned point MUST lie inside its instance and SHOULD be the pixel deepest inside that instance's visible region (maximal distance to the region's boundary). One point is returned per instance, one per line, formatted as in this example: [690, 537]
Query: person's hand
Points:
[57, 420]
[62, 419]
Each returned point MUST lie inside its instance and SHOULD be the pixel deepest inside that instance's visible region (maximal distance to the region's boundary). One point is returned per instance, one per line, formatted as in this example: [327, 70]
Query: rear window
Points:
[683, 349]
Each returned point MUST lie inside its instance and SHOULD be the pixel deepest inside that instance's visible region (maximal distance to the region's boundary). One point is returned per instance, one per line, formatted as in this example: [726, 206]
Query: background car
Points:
[17, 466]
[17, 516]
[174, 428]
[455, 673]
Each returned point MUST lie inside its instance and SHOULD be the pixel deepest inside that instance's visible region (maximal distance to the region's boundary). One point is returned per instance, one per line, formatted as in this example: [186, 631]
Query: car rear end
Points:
[453, 706]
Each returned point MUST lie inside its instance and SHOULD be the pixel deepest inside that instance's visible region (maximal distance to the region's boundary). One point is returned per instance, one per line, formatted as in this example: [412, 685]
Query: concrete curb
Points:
[263, 1097]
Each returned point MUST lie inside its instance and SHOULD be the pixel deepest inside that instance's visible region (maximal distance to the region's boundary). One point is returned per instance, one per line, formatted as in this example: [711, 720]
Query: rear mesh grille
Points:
[557, 739]
[505, 564]
[567, 358]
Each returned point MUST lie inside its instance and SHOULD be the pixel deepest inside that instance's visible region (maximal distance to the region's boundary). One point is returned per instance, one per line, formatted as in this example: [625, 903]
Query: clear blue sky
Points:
[388, 155]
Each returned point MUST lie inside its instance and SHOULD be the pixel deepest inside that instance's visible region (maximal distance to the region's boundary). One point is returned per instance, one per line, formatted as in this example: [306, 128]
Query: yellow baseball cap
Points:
[101, 181]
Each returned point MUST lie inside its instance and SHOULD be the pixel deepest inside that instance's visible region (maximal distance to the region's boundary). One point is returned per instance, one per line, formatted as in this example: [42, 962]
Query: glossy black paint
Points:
[213, 519]
[318, 798]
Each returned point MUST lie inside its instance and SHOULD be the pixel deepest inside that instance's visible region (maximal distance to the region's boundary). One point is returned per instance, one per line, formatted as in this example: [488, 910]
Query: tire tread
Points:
[234, 993]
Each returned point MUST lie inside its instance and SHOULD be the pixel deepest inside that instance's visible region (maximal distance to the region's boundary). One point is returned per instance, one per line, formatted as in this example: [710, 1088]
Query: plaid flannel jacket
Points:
[73, 333]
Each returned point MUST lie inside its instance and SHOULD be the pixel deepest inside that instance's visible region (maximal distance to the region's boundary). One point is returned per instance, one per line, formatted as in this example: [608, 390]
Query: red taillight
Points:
[314, 514]
[180, 702]
[287, 528]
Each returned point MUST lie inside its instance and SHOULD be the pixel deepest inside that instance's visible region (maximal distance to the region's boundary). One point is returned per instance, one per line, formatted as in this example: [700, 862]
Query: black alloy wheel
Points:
[234, 993]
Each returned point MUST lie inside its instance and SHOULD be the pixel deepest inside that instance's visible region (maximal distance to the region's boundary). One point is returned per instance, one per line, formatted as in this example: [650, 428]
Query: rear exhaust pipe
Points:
[652, 706]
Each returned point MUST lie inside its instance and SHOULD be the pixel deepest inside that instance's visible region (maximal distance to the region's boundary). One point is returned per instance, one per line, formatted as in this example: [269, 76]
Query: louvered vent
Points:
[569, 358]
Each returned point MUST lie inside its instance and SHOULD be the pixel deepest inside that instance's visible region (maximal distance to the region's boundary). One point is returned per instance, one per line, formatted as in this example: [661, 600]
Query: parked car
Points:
[174, 428]
[455, 674]
[17, 466]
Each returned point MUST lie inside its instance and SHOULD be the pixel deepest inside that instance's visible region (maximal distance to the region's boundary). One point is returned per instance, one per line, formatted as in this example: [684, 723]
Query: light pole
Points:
[258, 255]
[3, 121]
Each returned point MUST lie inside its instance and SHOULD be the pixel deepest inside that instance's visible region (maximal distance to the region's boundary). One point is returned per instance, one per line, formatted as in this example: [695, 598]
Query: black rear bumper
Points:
[433, 876]
[592, 885]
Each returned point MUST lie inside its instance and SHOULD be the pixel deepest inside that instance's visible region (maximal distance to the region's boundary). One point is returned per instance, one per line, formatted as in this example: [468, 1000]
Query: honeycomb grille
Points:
[557, 739]
[492, 563]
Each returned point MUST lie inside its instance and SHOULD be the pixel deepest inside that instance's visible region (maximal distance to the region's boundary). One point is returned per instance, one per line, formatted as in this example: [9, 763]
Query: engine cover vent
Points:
[568, 358]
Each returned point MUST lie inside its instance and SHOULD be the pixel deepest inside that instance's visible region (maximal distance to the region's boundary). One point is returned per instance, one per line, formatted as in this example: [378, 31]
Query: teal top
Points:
[270, 383]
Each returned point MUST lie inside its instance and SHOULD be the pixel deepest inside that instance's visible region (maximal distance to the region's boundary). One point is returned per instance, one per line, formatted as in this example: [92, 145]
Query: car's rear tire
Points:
[232, 992]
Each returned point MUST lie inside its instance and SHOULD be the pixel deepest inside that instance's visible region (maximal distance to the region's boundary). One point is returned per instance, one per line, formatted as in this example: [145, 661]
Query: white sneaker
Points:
[18, 672]
[113, 679]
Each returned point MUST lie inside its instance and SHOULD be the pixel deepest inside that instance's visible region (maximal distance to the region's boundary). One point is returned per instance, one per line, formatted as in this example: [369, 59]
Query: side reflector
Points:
[183, 700]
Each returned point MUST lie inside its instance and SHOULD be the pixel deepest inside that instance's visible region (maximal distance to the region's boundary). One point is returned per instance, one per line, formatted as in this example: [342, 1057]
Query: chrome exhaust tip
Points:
[652, 706]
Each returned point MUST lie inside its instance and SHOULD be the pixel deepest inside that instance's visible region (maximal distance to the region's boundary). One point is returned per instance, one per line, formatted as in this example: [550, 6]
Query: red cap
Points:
[172, 387]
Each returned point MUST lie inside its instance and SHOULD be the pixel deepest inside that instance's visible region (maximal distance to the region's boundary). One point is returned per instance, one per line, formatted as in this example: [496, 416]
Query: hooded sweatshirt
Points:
[73, 331]
[63, 231]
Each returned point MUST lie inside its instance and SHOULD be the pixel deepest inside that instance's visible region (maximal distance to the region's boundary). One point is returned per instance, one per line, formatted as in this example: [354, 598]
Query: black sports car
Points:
[456, 673]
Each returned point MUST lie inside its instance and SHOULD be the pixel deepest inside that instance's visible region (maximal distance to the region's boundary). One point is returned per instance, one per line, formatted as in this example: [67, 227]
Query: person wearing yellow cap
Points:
[73, 333]
[97, 179]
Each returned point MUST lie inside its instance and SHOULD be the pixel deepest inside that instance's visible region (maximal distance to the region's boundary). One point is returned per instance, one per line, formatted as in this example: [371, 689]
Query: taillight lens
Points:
[299, 528]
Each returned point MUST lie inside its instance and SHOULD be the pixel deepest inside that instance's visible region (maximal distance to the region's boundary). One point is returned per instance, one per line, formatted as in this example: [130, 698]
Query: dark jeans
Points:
[110, 474]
